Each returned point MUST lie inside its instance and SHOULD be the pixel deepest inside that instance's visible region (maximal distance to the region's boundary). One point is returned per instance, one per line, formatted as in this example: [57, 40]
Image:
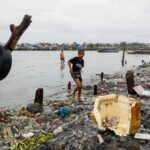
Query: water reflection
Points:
[62, 67]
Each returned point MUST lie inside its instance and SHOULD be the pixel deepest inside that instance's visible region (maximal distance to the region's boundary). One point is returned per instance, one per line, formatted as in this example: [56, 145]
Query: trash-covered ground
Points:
[68, 125]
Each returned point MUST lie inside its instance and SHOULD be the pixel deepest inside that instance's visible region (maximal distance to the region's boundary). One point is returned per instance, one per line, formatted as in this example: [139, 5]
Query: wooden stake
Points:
[39, 96]
[123, 45]
[69, 85]
[102, 76]
[95, 90]
[130, 82]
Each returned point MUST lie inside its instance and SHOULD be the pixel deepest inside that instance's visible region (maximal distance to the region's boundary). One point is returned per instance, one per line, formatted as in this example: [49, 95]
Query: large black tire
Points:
[5, 62]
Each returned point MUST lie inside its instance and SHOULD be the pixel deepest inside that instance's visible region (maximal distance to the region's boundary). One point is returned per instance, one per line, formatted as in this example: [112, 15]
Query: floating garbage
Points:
[118, 113]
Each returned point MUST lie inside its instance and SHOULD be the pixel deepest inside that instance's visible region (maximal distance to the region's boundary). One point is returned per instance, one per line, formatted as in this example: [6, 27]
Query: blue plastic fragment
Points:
[63, 111]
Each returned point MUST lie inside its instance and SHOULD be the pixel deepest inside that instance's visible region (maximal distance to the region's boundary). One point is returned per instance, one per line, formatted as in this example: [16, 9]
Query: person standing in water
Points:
[62, 57]
[75, 66]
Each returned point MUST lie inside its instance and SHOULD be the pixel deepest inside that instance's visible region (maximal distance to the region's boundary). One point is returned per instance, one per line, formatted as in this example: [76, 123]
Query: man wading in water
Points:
[75, 66]
[62, 57]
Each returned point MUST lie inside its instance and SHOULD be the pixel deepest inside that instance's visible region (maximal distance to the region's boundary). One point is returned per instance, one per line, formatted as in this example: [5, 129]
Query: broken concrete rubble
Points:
[118, 113]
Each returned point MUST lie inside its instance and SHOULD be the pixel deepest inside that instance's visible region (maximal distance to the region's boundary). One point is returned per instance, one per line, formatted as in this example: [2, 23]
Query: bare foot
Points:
[80, 100]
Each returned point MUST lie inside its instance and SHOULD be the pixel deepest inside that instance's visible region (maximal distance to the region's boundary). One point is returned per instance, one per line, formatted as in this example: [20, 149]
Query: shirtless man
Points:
[62, 57]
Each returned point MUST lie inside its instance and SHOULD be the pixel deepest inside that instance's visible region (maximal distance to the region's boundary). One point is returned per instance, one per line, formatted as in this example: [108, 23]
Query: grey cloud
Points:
[78, 20]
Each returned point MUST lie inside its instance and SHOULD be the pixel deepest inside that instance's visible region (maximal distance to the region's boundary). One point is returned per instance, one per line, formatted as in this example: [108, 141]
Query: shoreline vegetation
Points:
[76, 46]
[20, 129]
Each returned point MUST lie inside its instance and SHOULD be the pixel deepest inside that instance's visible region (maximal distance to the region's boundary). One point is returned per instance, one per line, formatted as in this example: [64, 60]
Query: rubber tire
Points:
[5, 62]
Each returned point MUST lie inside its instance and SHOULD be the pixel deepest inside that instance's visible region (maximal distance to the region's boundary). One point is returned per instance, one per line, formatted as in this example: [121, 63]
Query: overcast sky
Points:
[78, 20]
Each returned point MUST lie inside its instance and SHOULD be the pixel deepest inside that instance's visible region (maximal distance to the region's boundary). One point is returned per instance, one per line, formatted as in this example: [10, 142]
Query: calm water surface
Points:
[32, 70]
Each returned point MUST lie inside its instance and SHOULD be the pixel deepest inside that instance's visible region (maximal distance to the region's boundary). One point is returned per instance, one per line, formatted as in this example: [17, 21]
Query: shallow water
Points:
[32, 70]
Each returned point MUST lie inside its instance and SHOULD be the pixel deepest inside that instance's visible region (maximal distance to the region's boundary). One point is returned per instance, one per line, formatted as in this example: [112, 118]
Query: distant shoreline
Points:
[45, 50]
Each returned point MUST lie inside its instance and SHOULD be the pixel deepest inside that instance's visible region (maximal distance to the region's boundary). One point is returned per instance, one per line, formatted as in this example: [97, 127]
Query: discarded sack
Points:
[118, 113]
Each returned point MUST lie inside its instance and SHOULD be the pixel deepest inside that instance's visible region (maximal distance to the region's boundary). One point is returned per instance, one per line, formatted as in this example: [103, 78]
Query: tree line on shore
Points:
[76, 46]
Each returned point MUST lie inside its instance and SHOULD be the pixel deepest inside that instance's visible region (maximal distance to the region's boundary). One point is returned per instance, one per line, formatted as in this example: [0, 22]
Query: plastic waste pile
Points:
[67, 125]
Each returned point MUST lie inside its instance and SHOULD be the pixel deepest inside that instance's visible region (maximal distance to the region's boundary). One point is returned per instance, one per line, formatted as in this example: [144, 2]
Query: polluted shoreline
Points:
[68, 125]
[30, 77]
